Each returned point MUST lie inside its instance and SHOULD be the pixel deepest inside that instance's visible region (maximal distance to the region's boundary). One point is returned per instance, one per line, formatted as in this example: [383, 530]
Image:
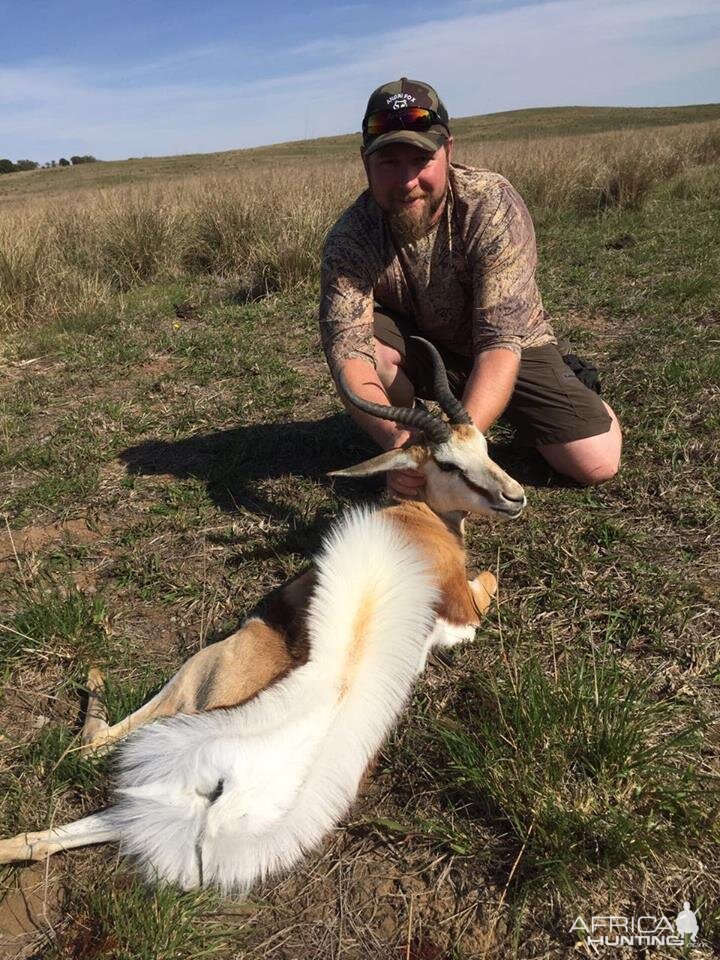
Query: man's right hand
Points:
[405, 483]
[359, 374]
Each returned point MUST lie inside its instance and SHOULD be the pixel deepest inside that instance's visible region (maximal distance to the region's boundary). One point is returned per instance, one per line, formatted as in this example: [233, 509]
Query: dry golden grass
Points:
[508, 130]
[263, 225]
[590, 173]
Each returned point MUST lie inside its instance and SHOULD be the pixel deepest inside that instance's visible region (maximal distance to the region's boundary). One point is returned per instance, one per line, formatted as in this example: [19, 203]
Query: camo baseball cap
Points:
[404, 94]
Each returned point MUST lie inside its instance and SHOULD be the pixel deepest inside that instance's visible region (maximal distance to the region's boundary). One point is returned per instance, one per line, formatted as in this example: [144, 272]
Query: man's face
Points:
[409, 185]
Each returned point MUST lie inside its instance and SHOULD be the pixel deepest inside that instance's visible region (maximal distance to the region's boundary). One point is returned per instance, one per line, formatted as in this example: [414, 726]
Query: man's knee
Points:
[590, 461]
[609, 454]
[388, 360]
[593, 475]
[588, 471]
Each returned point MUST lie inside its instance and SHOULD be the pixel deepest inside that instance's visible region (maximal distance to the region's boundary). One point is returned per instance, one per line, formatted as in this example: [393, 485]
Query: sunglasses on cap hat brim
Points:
[411, 118]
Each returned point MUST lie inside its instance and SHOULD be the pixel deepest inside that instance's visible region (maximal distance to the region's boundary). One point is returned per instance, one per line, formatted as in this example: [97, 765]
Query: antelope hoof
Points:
[484, 588]
[20, 848]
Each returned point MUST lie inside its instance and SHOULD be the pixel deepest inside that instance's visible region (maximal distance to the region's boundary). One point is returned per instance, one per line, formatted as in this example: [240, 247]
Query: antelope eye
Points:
[448, 467]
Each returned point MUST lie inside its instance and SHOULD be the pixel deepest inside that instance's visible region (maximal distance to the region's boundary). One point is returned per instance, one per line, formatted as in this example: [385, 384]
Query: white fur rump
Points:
[231, 796]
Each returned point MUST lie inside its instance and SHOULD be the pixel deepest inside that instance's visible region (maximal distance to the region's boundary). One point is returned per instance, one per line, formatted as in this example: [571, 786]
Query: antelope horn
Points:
[443, 394]
[435, 429]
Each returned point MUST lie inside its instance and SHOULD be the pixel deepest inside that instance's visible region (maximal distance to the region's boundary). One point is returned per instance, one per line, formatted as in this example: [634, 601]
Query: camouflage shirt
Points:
[468, 285]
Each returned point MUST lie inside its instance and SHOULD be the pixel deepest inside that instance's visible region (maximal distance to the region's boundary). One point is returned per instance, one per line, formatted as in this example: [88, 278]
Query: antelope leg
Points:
[97, 735]
[96, 724]
[222, 675]
[103, 736]
[96, 828]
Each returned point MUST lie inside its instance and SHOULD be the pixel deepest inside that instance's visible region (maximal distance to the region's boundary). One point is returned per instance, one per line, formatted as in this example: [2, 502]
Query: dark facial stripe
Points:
[474, 486]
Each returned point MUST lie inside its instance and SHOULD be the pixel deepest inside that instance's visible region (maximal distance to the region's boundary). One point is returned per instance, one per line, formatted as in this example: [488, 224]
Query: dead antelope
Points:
[267, 734]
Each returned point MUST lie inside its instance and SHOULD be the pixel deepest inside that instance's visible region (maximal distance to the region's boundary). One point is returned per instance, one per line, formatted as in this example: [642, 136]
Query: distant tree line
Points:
[7, 166]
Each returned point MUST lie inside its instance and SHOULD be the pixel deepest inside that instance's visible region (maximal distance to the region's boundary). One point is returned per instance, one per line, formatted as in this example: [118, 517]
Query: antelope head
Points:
[452, 454]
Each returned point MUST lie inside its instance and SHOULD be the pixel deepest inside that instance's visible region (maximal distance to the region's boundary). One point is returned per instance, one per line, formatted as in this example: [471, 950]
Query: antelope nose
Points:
[516, 502]
[513, 492]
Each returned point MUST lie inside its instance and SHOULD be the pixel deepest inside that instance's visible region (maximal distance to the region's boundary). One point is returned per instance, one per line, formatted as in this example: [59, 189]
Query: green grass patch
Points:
[587, 769]
[55, 622]
[123, 697]
[115, 916]
[45, 772]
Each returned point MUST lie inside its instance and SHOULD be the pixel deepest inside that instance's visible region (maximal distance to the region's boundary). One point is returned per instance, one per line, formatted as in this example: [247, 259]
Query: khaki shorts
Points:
[549, 403]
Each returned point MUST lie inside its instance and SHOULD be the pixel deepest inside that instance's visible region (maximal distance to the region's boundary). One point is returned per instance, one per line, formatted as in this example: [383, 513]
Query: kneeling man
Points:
[448, 252]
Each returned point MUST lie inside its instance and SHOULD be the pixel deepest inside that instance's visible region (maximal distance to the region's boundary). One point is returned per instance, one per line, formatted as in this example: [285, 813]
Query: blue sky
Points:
[149, 78]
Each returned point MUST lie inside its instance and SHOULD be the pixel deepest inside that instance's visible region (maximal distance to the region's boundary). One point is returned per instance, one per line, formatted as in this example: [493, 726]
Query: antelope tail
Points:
[235, 795]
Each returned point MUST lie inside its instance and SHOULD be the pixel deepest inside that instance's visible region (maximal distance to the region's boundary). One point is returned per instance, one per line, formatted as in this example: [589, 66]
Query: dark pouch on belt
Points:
[587, 373]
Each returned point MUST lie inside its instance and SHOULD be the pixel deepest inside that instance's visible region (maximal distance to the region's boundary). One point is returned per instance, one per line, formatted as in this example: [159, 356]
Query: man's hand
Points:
[360, 376]
[405, 483]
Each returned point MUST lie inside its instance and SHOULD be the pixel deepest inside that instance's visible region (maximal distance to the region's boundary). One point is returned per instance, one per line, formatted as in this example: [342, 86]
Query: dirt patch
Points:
[26, 911]
[157, 367]
[596, 327]
[368, 900]
[156, 631]
[34, 539]
[85, 581]
[27, 369]
[310, 367]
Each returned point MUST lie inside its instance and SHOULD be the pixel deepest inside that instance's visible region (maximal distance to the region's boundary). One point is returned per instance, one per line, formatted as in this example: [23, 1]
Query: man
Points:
[449, 252]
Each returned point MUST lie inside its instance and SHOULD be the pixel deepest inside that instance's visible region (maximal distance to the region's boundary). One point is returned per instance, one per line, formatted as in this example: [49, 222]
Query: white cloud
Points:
[482, 60]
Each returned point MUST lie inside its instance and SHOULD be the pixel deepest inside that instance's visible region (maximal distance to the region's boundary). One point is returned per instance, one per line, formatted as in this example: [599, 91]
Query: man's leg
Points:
[405, 371]
[591, 460]
[390, 362]
[571, 427]
[575, 431]
[404, 366]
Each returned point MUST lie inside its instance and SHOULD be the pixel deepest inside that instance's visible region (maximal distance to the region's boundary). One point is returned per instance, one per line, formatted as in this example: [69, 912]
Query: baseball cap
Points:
[407, 111]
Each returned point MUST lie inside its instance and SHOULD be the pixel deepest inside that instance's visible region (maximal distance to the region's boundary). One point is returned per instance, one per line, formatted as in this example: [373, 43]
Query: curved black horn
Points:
[435, 429]
[443, 394]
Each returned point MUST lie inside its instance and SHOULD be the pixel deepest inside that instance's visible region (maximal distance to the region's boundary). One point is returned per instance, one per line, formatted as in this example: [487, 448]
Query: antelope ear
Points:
[400, 459]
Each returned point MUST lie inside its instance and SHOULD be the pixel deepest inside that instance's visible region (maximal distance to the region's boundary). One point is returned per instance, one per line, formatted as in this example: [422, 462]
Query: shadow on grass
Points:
[526, 465]
[231, 462]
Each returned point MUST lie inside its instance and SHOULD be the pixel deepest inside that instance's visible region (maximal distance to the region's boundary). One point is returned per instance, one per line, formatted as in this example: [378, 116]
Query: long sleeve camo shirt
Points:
[468, 285]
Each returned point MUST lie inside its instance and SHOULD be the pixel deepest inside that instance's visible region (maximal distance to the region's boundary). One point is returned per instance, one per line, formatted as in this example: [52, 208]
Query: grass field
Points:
[513, 126]
[166, 423]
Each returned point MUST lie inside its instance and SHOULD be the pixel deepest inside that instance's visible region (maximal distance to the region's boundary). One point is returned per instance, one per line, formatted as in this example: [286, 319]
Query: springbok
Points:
[267, 734]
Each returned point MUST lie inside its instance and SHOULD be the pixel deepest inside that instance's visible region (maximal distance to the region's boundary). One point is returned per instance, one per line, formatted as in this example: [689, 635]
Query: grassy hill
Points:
[576, 121]
[533, 124]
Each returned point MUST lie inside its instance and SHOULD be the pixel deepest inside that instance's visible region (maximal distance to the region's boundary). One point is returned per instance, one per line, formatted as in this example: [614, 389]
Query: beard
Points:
[413, 224]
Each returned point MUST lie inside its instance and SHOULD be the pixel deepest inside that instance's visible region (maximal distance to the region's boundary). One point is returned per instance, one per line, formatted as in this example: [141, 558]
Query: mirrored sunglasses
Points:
[411, 118]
